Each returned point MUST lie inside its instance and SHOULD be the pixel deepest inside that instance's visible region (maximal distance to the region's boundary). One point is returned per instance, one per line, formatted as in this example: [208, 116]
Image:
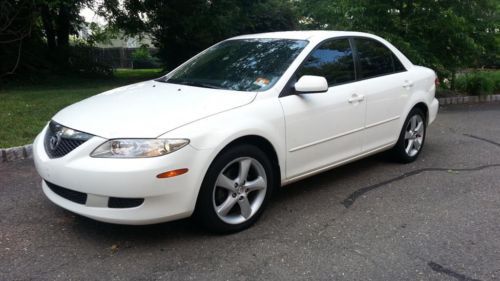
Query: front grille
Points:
[115, 202]
[58, 143]
[71, 195]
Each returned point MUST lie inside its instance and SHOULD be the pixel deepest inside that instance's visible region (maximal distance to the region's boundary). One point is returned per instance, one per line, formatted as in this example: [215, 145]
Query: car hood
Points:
[147, 109]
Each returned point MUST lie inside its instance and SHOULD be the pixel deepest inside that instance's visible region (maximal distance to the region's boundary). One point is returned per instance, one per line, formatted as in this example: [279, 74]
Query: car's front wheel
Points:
[235, 189]
[412, 137]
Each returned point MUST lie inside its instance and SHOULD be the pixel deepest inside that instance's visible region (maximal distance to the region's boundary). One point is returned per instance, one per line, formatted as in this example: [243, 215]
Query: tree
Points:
[444, 34]
[16, 25]
[182, 28]
[60, 18]
[35, 38]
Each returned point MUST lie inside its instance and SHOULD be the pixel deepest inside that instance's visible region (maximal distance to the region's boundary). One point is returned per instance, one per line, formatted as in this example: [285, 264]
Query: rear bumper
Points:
[100, 179]
[433, 110]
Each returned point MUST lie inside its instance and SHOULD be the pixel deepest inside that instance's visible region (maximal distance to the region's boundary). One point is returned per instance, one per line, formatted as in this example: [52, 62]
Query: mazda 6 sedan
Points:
[215, 136]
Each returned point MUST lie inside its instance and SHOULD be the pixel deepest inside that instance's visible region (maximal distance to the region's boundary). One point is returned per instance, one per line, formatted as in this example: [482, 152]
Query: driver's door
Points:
[324, 128]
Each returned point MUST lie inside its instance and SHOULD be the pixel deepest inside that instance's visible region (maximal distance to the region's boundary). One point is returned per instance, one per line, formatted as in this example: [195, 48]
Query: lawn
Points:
[26, 108]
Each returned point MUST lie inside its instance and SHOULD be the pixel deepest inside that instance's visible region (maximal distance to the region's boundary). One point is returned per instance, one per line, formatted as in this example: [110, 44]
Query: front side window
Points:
[332, 60]
[240, 65]
[375, 59]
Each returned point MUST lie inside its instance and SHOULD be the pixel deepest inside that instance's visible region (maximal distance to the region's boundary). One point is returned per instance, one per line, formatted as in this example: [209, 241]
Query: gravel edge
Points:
[26, 151]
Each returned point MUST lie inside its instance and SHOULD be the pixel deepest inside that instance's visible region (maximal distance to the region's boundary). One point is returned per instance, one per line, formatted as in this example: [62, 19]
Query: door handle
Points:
[356, 98]
[407, 84]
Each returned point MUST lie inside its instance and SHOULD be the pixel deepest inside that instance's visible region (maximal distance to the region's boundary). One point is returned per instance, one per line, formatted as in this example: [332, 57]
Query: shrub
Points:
[141, 53]
[479, 83]
[142, 58]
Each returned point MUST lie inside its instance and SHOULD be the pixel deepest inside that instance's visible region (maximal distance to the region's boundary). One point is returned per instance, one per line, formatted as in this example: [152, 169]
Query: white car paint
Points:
[147, 109]
[310, 133]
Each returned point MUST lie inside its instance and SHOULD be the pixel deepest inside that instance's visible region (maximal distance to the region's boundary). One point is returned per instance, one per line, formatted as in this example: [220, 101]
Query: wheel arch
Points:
[262, 143]
[425, 109]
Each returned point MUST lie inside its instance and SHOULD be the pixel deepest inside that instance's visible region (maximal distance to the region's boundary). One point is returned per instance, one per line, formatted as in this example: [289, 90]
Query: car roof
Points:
[311, 35]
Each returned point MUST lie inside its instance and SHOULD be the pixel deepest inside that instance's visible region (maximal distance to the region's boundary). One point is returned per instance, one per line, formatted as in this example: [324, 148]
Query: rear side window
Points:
[375, 59]
[332, 60]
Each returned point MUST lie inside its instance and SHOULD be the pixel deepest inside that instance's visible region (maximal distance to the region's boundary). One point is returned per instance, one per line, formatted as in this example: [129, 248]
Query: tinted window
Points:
[241, 65]
[332, 60]
[375, 59]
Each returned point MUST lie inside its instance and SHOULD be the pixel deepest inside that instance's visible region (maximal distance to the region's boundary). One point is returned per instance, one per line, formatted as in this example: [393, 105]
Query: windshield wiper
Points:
[205, 85]
[191, 83]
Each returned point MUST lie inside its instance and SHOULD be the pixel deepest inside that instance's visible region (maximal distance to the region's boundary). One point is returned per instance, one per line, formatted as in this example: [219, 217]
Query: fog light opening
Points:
[171, 174]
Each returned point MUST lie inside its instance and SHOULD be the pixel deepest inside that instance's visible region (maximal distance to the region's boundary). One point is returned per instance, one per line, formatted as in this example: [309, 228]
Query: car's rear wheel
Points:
[412, 137]
[235, 190]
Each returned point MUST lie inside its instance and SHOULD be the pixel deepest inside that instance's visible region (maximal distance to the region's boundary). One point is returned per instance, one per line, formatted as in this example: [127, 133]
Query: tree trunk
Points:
[63, 26]
[48, 27]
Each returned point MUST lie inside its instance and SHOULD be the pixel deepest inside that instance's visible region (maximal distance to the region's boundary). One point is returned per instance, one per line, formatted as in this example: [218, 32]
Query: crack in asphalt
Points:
[358, 193]
[439, 268]
[483, 139]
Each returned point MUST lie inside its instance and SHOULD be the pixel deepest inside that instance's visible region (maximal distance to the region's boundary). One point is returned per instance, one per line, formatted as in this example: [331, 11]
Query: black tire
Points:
[205, 213]
[399, 152]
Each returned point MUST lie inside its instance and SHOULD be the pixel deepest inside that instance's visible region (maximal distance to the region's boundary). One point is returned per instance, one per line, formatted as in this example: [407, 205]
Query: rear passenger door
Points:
[386, 85]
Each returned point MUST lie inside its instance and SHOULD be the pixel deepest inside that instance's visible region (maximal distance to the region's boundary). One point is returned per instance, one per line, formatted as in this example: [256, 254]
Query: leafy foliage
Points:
[182, 28]
[35, 39]
[141, 53]
[446, 35]
[479, 83]
[443, 34]
[142, 58]
[16, 25]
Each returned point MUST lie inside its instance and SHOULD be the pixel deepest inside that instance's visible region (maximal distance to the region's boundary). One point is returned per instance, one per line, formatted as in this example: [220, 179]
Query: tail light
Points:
[436, 82]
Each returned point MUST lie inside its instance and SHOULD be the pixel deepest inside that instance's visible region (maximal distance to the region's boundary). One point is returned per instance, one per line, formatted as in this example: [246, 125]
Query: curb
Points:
[26, 151]
[16, 153]
[468, 99]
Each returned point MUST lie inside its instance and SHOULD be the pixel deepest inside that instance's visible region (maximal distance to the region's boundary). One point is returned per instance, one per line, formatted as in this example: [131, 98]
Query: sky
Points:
[90, 16]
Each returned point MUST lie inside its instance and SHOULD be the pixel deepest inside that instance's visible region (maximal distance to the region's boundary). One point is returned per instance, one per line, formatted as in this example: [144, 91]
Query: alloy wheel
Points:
[414, 135]
[239, 190]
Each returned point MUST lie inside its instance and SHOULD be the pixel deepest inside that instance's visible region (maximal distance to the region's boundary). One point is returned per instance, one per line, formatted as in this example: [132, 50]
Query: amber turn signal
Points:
[172, 173]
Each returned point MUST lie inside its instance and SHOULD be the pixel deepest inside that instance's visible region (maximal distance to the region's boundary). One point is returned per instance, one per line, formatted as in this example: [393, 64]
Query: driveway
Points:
[435, 219]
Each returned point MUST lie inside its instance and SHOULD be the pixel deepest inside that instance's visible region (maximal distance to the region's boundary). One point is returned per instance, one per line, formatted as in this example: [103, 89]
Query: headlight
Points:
[138, 148]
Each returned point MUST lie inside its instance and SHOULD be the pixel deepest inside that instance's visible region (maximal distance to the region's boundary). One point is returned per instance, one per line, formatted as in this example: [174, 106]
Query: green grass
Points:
[25, 108]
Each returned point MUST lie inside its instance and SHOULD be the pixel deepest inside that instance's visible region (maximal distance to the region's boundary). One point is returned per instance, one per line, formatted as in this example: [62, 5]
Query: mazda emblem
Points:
[54, 141]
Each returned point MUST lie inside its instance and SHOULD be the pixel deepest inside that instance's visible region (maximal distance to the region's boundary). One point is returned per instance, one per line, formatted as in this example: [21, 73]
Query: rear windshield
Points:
[240, 65]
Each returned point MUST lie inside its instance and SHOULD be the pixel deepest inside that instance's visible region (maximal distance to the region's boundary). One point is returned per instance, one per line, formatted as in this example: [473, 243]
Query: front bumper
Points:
[100, 178]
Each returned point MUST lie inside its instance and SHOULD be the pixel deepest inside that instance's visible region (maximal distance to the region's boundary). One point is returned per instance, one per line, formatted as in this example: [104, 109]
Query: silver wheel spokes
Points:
[243, 184]
[414, 135]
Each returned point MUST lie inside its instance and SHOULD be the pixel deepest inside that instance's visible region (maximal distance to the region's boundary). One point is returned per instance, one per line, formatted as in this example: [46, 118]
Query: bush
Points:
[479, 83]
[141, 58]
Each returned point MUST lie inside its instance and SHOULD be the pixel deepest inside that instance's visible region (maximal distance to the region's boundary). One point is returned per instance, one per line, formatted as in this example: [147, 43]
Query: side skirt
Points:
[336, 164]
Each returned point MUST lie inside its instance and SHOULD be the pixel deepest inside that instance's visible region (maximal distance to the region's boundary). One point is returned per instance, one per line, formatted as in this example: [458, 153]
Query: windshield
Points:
[241, 65]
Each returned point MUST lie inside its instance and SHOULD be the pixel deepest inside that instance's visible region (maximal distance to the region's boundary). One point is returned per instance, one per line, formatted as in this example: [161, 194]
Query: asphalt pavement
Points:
[435, 219]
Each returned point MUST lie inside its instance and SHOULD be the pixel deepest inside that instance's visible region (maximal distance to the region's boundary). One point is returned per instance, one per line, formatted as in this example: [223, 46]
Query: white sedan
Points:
[215, 136]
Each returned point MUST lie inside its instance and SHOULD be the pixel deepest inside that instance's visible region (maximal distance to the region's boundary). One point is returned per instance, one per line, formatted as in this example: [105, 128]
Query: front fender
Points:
[263, 118]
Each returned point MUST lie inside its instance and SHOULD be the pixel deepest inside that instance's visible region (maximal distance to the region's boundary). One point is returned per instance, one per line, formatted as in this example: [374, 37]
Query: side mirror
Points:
[309, 84]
